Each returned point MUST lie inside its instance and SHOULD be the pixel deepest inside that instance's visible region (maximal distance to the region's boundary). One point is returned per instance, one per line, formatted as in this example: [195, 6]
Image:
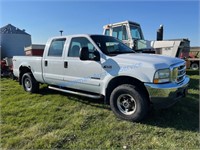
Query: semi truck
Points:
[98, 66]
[131, 34]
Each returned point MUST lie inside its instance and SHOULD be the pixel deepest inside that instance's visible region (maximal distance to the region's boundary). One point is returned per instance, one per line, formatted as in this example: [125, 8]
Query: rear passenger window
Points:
[56, 47]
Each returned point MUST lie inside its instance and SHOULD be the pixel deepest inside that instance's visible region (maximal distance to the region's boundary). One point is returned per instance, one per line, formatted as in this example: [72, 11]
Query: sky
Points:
[43, 19]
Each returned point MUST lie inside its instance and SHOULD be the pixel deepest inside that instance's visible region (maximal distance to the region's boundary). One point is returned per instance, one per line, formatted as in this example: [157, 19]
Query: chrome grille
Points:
[181, 73]
[178, 72]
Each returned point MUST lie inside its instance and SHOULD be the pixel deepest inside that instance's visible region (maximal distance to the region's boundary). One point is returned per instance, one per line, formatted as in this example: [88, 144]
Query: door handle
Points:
[65, 64]
[45, 63]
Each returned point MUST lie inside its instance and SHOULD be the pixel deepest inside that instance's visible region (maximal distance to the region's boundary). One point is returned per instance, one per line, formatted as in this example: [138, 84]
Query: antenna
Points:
[61, 31]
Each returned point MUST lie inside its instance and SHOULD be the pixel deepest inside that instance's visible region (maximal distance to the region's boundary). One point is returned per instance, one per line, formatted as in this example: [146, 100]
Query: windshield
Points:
[136, 32]
[110, 45]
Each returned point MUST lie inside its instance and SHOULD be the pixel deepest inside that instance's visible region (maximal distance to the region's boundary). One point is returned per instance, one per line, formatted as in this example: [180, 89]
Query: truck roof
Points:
[123, 22]
[75, 35]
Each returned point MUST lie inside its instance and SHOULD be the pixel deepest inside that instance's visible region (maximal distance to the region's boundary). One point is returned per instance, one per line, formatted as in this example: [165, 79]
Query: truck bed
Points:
[34, 63]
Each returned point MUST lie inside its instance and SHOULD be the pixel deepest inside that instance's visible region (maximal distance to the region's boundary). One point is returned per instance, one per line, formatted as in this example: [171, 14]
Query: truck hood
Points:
[154, 60]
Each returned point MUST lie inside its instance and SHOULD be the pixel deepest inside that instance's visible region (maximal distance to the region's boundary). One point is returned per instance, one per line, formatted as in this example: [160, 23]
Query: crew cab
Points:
[99, 66]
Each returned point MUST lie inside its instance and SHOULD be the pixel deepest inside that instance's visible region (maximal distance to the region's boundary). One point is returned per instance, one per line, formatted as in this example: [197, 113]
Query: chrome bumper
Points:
[165, 95]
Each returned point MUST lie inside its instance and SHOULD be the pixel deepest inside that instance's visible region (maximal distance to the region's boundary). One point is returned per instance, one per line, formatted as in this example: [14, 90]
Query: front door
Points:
[82, 75]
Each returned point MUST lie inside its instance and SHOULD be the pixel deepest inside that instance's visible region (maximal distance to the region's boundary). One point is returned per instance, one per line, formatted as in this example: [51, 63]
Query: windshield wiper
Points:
[118, 52]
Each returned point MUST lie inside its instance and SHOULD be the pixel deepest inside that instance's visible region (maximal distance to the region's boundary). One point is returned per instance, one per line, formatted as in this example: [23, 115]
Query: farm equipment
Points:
[131, 34]
[7, 68]
[193, 59]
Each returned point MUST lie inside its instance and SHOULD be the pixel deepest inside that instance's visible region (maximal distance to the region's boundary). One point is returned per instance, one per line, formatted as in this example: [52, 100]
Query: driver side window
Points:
[77, 44]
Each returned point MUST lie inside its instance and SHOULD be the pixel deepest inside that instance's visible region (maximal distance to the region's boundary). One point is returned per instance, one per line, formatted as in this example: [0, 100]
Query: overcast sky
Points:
[45, 18]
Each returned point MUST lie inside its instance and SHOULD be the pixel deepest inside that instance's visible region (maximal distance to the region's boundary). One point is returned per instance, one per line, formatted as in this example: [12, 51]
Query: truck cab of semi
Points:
[131, 34]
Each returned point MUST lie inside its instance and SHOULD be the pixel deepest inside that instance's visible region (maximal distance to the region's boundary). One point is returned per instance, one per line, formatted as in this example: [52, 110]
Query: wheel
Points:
[29, 83]
[194, 66]
[129, 104]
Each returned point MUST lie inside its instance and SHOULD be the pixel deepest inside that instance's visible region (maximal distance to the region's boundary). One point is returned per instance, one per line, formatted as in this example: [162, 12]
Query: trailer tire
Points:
[194, 66]
[128, 103]
[29, 83]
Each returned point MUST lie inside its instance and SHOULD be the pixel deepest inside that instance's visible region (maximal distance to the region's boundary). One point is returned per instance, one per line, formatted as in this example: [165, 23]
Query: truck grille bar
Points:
[181, 73]
[178, 72]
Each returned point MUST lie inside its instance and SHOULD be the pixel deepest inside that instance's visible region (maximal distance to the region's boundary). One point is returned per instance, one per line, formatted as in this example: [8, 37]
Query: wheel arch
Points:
[22, 71]
[119, 80]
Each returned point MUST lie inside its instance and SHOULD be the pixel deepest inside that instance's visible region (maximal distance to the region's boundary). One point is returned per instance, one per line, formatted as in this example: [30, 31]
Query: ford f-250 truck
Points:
[101, 66]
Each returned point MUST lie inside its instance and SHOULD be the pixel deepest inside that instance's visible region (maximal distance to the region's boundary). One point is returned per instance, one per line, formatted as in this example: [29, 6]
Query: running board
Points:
[95, 96]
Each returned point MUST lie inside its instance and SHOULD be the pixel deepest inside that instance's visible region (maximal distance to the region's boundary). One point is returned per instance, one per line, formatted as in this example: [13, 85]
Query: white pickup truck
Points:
[99, 66]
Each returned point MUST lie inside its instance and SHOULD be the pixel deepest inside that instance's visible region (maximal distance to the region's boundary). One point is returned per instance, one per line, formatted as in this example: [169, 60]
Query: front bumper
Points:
[165, 95]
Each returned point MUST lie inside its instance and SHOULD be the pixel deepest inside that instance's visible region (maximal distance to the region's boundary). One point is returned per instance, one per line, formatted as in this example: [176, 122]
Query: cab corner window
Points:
[107, 32]
[56, 47]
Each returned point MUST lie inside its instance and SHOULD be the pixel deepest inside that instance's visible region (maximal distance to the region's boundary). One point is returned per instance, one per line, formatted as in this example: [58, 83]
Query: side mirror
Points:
[96, 56]
[85, 54]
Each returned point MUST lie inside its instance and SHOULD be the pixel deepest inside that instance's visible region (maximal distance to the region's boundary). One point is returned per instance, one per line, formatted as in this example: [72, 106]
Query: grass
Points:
[54, 120]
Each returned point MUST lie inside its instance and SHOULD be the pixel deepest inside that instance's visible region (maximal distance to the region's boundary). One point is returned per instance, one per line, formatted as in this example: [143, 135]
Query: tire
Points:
[129, 104]
[29, 83]
[194, 66]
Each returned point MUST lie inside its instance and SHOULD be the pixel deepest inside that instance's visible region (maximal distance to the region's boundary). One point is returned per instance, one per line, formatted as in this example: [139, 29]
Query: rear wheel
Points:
[129, 104]
[194, 66]
[29, 83]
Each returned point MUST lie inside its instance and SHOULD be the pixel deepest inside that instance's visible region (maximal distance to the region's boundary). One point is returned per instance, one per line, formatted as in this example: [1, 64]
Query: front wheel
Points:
[129, 104]
[29, 83]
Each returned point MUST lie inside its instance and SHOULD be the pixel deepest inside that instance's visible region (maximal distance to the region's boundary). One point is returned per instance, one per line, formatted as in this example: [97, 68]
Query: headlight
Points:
[162, 76]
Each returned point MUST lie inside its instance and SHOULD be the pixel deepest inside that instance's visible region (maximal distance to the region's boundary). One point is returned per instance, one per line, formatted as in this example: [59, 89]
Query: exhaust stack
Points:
[160, 33]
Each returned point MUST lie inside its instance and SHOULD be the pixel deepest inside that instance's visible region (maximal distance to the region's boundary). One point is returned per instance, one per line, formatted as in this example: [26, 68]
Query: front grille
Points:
[181, 73]
[178, 72]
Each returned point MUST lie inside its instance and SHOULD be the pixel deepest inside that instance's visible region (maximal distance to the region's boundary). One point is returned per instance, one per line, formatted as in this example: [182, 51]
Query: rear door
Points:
[53, 62]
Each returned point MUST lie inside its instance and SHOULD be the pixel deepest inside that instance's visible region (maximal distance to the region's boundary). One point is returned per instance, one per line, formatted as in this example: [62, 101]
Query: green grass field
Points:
[53, 120]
